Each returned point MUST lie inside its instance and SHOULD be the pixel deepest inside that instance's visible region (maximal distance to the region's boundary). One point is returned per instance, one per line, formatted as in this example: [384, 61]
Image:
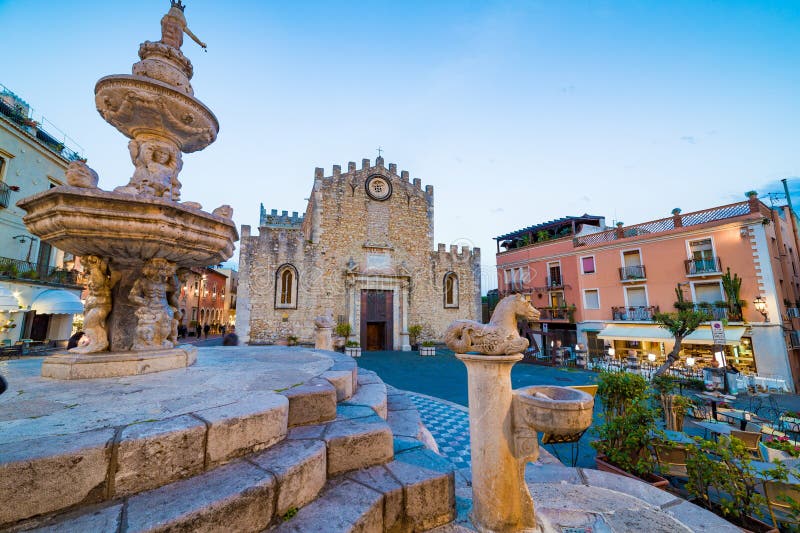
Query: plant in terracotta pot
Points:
[723, 480]
[673, 406]
[343, 330]
[629, 423]
[414, 331]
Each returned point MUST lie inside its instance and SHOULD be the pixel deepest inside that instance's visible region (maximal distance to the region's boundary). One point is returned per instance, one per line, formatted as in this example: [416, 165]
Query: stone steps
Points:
[248, 493]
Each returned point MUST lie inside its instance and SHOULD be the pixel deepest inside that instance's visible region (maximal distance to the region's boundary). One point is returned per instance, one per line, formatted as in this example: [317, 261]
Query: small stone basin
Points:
[553, 410]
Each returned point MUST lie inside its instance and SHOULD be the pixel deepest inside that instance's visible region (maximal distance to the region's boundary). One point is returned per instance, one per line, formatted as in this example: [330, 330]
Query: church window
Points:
[286, 287]
[450, 290]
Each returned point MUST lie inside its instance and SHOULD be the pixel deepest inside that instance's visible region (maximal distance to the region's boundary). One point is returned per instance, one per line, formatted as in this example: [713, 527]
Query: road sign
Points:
[718, 333]
[544, 328]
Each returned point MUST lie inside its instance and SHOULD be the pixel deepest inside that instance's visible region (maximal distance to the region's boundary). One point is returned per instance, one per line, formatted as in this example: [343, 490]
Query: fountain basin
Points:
[128, 228]
[553, 410]
[138, 105]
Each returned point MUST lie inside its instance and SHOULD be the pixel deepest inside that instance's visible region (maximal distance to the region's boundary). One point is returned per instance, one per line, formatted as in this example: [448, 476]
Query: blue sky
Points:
[516, 112]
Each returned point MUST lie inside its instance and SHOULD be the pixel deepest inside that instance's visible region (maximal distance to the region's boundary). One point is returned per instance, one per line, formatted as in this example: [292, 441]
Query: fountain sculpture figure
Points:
[138, 240]
[504, 424]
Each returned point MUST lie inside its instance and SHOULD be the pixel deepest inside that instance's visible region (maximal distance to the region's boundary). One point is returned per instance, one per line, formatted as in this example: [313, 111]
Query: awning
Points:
[57, 302]
[702, 335]
[8, 302]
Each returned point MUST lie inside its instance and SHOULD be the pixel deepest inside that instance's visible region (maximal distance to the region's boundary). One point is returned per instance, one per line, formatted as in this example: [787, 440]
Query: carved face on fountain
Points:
[157, 165]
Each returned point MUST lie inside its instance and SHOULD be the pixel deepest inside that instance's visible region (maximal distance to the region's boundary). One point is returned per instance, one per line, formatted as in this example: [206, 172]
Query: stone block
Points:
[360, 443]
[299, 468]
[402, 444]
[367, 377]
[547, 473]
[345, 507]
[152, 454]
[700, 520]
[379, 479]
[253, 424]
[306, 432]
[405, 423]
[430, 499]
[236, 497]
[373, 396]
[629, 486]
[399, 402]
[47, 474]
[311, 403]
[345, 411]
[347, 364]
[342, 380]
[116, 364]
[103, 519]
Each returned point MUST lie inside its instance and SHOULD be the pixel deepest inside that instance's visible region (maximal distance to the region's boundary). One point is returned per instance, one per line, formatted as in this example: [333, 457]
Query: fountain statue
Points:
[138, 240]
[504, 424]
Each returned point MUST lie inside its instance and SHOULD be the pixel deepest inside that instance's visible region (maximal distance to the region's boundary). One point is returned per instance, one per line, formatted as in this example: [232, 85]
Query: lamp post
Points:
[761, 306]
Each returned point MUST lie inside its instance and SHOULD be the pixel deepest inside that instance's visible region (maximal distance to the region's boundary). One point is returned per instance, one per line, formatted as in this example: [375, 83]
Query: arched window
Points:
[450, 290]
[286, 287]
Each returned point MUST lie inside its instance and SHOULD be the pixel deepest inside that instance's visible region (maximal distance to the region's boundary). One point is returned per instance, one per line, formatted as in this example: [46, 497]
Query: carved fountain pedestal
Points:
[138, 241]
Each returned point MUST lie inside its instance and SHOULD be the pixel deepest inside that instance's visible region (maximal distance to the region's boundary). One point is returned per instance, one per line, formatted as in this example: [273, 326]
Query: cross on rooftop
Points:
[380, 151]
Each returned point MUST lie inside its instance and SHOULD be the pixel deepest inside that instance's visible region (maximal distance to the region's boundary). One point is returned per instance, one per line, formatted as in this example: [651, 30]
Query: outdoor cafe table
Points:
[719, 428]
[762, 467]
[677, 437]
[714, 399]
[741, 416]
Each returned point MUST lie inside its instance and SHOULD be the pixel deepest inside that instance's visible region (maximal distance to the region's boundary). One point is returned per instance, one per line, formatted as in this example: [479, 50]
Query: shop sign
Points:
[544, 328]
[718, 333]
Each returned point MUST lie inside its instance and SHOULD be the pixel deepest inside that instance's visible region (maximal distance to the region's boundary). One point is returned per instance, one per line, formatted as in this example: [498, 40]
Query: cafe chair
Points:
[671, 460]
[778, 495]
[750, 440]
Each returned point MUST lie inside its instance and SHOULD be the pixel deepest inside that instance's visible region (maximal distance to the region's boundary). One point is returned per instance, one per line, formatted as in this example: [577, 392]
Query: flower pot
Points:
[427, 350]
[651, 479]
[353, 351]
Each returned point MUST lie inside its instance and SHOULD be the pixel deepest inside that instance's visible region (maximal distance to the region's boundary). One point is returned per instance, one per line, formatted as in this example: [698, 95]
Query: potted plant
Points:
[628, 427]
[414, 331]
[427, 348]
[723, 480]
[353, 348]
[343, 330]
[674, 406]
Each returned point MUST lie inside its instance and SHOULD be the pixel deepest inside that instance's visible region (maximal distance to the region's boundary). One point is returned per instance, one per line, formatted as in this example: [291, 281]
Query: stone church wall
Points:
[348, 241]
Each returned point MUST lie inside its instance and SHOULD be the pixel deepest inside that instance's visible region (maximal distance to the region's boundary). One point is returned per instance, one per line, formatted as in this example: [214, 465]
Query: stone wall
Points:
[347, 241]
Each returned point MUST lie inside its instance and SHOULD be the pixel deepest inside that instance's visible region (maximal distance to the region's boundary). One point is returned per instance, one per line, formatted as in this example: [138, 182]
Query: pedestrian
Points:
[206, 329]
[198, 329]
[230, 340]
[222, 329]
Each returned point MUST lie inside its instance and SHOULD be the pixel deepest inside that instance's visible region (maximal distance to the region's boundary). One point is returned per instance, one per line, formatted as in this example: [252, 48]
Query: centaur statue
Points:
[499, 336]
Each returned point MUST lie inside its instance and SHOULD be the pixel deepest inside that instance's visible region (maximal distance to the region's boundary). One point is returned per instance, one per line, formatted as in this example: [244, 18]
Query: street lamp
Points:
[690, 361]
[761, 306]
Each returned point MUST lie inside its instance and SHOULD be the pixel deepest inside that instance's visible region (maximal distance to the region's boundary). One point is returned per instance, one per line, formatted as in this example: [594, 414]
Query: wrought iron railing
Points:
[631, 273]
[664, 224]
[717, 312]
[555, 282]
[5, 194]
[703, 266]
[640, 313]
[25, 270]
[793, 312]
[794, 339]
[554, 313]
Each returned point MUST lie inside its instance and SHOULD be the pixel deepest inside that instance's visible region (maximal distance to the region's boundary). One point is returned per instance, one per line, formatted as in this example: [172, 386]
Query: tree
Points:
[680, 324]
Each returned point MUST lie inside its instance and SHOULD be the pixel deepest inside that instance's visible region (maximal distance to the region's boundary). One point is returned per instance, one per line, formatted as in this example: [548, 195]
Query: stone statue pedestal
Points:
[117, 364]
[324, 339]
[500, 499]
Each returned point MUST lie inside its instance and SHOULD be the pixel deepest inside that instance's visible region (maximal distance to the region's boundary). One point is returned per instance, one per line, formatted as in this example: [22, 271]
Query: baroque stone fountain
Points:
[138, 241]
[504, 423]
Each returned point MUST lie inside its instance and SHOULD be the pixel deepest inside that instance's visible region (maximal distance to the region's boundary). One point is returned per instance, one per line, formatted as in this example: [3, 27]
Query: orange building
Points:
[203, 298]
[598, 287]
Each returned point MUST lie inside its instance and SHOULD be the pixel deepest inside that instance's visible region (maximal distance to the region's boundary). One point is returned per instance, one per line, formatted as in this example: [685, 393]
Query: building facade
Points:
[39, 286]
[203, 298]
[229, 294]
[363, 251]
[599, 287]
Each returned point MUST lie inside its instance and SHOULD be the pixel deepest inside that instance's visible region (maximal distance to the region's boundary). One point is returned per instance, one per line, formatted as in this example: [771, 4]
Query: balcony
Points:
[514, 287]
[554, 282]
[551, 314]
[717, 312]
[5, 193]
[632, 273]
[703, 267]
[42, 274]
[794, 339]
[793, 312]
[636, 313]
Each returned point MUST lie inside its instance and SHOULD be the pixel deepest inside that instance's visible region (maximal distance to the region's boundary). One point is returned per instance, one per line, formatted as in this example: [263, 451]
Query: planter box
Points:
[353, 351]
[427, 350]
[751, 525]
[651, 479]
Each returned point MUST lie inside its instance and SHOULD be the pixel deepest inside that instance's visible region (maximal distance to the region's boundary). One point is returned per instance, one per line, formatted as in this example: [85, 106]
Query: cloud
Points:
[689, 139]
[498, 210]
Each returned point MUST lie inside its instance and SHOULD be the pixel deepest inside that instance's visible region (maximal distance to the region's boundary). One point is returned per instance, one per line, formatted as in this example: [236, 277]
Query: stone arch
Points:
[286, 279]
[450, 289]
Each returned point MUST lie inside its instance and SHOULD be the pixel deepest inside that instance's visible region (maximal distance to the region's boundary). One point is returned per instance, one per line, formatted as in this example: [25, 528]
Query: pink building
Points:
[598, 287]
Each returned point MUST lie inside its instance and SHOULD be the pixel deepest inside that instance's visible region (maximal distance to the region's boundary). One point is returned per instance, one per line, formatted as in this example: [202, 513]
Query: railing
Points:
[793, 312]
[634, 313]
[633, 272]
[514, 286]
[555, 282]
[794, 339]
[5, 193]
[554, 313]
[703, 266]
[664, 224]
[24, 270]
[716, 312]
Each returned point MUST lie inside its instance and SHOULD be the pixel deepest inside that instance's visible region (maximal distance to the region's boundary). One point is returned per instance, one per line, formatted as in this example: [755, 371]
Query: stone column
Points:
[405, 345]
[500, 500]
[324, 340]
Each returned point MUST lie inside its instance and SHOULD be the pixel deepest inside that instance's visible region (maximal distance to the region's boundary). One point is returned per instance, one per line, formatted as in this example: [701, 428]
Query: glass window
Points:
[591, 299]
[708, 292]
[450, 290]
[587, 264]
[637, 297]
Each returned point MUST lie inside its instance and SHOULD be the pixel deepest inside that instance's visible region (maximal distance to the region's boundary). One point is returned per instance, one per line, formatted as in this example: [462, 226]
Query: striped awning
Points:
[57, 302]
[702, 335]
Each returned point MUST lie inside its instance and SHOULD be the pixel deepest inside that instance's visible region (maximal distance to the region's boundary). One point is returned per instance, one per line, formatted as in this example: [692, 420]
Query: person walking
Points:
[222, 329]
[198, 329]
[206, 329]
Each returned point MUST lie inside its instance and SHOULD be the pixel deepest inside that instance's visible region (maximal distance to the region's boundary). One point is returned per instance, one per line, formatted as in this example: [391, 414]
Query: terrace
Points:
[39, 274]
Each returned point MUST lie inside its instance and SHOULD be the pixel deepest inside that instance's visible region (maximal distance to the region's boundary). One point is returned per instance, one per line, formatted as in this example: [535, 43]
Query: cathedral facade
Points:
[363, 251]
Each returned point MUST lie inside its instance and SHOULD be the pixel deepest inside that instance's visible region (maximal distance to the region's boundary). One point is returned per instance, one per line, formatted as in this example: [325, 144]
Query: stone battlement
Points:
[378, 168]
[283, 220]
[454, 254]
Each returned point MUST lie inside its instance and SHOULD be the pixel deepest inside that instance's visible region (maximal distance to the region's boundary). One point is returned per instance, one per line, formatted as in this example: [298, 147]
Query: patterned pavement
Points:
[449, 425]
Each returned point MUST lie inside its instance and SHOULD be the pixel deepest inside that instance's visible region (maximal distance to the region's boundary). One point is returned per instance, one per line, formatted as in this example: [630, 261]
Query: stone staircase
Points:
[338, 453]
